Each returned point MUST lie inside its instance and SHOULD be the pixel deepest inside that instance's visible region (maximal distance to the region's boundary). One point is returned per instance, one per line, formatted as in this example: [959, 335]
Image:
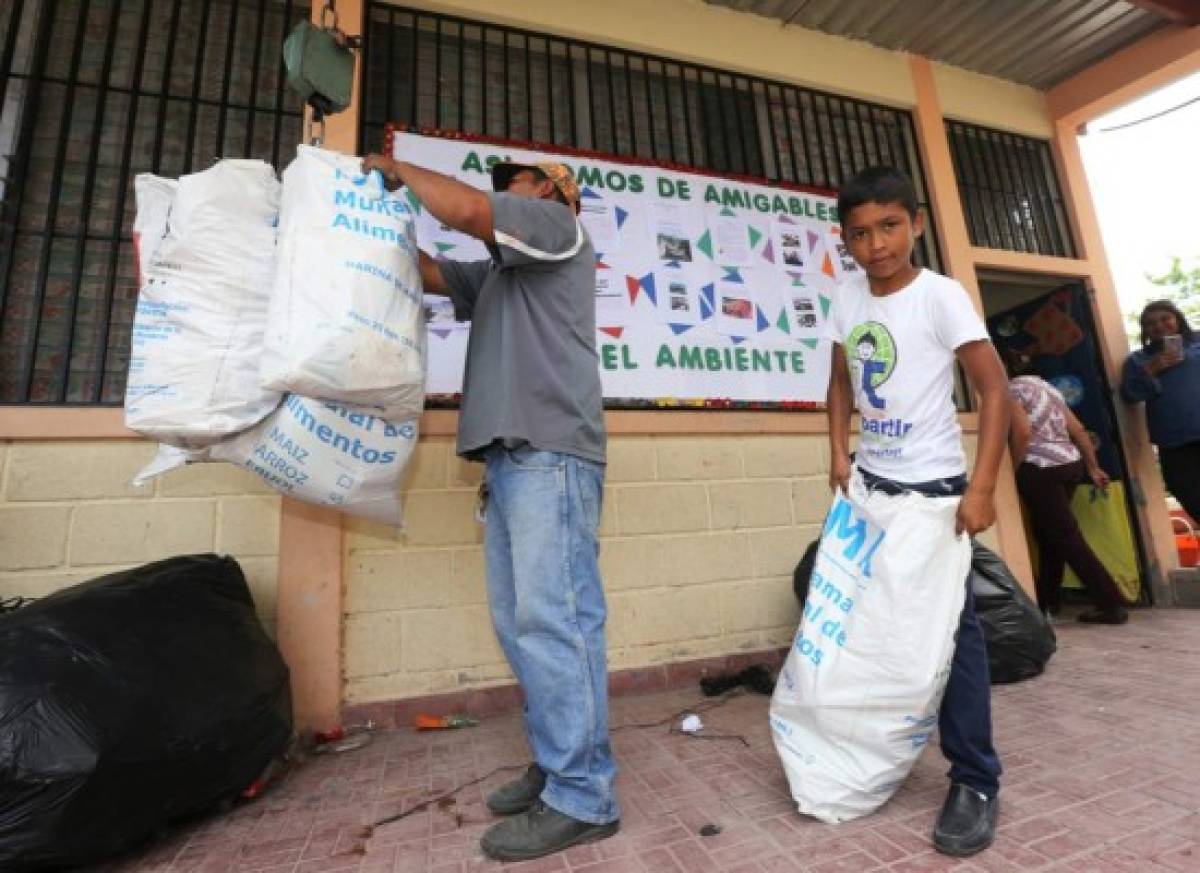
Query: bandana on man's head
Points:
[559, 174]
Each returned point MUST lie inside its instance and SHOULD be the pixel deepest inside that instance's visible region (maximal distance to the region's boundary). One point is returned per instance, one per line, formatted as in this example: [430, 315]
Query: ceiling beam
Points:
[1185, 12]
[1153, 61]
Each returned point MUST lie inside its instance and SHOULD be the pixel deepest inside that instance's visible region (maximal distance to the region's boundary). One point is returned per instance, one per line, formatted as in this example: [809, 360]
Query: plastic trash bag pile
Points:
[129, 702]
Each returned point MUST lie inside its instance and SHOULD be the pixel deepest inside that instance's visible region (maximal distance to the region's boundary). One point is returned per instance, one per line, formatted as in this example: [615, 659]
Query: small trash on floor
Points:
[426, 722]
[756, 677]
[710, 830]
[345, 744]
[691, 724]
[343, 738]
[278, 767]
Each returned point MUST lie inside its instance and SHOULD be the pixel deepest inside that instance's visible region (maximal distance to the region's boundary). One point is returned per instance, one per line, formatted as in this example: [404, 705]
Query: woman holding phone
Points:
[1165, 375]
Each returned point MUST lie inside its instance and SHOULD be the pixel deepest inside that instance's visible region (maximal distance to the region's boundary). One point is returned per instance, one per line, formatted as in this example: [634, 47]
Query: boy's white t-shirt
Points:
[900, 349]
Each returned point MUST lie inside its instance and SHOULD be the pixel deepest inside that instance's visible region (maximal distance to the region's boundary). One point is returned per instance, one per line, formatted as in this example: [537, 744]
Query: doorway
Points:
[1051, 320]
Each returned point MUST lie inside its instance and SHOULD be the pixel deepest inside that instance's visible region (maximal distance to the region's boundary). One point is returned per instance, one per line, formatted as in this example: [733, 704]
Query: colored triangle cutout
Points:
[728, 212]
[680, 328]
[634, 287]
[737, 340]
[621, 216]
[755, 235]
[588, 192]
[783, 324]
[827, 267]
[705, 244]
[614, 332]
[763, 322]
[811, 343]
[813, 239]
[444, 247]
[440, 332]
[826, 303]
[708, 294]
[784, 219]
[648, 286]
[769, 252]
[732, 275]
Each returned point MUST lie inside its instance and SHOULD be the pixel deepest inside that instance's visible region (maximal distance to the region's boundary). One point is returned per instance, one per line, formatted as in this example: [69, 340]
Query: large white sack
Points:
[154, 196]
[319, 452]
[201, 313]
[858, 695]
[347, 322]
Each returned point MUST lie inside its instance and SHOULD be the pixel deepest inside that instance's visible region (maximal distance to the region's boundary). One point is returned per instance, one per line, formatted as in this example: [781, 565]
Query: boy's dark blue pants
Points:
[965, 719]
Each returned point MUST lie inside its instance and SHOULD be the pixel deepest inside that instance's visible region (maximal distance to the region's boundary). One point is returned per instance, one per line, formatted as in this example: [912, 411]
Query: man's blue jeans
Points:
[547, 601]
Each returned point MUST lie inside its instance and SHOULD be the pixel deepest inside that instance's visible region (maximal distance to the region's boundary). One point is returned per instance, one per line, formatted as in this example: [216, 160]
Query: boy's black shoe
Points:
[519, 794]
[540, 831]
[967, 822]
[1116, 615]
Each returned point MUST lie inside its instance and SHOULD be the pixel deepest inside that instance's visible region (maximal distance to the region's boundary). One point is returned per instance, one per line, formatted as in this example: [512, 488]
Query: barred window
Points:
[92, 93]
[1010, 191]
[437, 71]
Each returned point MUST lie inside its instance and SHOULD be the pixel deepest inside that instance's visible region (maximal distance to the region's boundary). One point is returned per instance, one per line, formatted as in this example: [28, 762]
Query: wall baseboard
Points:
[485, 702]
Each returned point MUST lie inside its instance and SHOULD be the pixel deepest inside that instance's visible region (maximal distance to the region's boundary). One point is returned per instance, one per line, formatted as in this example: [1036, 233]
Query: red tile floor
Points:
[1103, 774]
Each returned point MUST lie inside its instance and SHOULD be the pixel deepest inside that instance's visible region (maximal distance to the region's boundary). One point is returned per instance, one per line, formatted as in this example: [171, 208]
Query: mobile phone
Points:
[1173, 344]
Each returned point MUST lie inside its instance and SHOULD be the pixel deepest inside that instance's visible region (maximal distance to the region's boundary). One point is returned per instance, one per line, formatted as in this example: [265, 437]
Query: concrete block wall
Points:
[699, 537]
[68, 513]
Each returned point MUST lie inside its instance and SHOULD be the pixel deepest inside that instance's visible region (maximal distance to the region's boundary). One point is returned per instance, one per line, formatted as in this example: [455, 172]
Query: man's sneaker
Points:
[540, 831]
[518, 795]
[967, 823]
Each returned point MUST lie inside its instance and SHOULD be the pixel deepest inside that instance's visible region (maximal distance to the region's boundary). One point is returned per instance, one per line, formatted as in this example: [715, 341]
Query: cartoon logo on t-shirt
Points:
[871, 353]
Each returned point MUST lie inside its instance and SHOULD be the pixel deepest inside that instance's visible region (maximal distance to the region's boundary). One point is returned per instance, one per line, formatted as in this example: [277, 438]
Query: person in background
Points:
[1165, 375]
[1053, 455]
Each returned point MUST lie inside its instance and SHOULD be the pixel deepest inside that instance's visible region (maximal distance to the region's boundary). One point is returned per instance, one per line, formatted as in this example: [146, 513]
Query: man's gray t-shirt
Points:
[531, 373]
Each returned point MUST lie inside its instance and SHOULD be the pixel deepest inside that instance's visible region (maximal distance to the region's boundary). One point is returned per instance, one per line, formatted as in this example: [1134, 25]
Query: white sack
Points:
[346, 321]
[319, 452]
[858, 695]
[201, 313]
[154, 196]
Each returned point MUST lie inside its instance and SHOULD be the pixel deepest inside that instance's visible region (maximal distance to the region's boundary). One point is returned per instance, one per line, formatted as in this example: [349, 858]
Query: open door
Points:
[1054, 326]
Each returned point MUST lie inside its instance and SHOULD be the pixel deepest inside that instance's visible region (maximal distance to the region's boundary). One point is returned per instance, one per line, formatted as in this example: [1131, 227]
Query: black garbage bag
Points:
[802, 575]
[131, 701]
[1019, 638]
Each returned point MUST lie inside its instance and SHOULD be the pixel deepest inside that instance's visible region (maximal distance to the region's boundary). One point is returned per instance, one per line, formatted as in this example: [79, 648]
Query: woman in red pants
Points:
[1053, 455]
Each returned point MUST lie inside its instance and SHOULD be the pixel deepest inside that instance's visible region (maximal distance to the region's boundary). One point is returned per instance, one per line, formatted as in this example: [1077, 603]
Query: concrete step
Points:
[1185, 584]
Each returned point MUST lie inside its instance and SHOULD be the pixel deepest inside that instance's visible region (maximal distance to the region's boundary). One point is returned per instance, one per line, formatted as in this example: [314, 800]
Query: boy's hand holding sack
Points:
[858, 695]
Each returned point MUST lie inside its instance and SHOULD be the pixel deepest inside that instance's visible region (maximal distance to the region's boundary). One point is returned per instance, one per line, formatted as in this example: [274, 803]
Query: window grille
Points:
[93, 92]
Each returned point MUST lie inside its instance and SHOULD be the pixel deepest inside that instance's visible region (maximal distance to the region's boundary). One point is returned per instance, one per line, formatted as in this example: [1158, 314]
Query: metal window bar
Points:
[94, 93]
[1011, 192]
[705, 118]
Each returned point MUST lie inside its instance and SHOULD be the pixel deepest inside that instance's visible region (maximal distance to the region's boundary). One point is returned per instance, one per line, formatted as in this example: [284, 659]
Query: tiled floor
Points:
[1103, 774]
